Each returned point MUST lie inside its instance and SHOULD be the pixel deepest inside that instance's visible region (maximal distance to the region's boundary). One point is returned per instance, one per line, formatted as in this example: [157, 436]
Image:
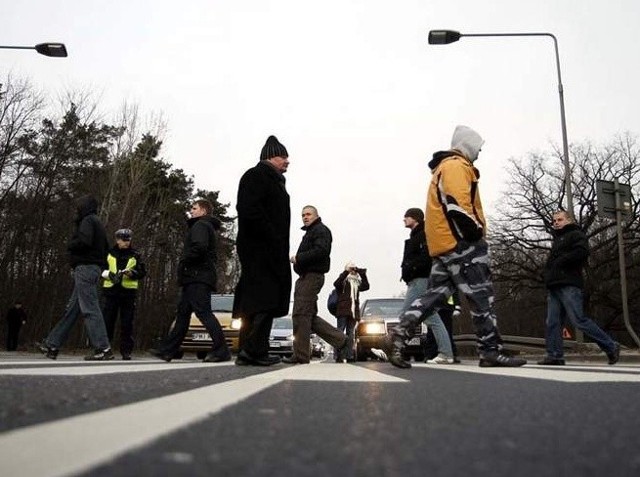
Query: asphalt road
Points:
[186, 418]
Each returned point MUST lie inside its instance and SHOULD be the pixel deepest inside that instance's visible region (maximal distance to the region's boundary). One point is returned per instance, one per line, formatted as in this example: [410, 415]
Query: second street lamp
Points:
[56, 50]
[444, 37]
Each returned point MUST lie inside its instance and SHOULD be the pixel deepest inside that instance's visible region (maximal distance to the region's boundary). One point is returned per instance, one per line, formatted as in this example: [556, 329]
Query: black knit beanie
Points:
[415, 214]
[273, 148]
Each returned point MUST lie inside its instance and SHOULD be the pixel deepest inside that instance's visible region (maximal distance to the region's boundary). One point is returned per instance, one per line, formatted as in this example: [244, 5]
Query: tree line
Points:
[49, 159]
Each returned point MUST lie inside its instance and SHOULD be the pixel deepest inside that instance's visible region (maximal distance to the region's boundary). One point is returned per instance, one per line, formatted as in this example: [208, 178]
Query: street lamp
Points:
[444, 37]
[56, 50]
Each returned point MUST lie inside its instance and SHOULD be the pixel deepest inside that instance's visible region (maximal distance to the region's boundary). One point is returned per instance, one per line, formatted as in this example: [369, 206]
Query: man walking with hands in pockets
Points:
[311, 262]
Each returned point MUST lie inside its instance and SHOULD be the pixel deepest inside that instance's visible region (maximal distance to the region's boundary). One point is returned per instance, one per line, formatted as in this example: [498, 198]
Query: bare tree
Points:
[20, 109]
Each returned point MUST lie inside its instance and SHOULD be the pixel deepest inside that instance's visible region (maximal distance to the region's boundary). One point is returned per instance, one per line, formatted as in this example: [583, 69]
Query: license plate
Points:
[414, 342]
[274, 344]
[200, 337]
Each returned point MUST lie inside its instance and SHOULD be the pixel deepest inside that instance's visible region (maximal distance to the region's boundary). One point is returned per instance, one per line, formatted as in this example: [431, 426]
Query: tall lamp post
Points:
[444, 37]
[56, 50]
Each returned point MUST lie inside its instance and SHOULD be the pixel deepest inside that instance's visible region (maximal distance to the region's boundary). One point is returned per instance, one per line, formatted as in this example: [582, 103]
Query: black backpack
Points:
[332, 302]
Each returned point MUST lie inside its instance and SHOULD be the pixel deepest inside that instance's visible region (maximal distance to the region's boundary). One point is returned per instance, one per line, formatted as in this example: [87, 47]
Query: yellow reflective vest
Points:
[127, 282]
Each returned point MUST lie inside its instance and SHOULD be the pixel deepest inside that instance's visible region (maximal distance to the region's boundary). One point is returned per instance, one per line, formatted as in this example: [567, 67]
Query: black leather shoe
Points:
[245, 359]
[293, 360]
[160, 355]
[549, 361]
[614, 356]
[212, 357]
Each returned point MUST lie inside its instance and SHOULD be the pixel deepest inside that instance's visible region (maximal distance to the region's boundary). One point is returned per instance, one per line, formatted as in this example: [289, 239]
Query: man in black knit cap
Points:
[264, 217]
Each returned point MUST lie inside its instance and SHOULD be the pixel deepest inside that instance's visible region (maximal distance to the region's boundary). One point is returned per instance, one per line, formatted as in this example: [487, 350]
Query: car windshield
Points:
[222, 303]
[382, 307]
[284, 323]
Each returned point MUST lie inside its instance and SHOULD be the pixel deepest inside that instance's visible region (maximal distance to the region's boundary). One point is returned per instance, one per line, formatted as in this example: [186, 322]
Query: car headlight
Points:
[236, 323]
[290, 338]
[375, 329]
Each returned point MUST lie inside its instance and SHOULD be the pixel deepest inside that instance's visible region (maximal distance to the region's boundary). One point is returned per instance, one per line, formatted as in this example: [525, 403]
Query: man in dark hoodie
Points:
[87, 255]
[197, 276]
[564, 282]
[120, 287]
[311, 262]
[264, 218]
[455, 229]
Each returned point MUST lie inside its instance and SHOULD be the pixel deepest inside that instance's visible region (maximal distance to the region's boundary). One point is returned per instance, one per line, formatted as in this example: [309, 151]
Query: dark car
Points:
[377, 317]
[197, 338]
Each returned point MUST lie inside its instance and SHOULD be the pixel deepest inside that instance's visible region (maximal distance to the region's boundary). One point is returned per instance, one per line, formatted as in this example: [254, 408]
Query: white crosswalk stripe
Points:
[131, 426]
[92, 370]
[582, 373]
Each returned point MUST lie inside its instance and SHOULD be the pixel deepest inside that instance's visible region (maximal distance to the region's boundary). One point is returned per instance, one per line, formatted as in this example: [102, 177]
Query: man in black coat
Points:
[197, 276]
[264, 217]
[87, 256]
[311, 262]
[564, 282]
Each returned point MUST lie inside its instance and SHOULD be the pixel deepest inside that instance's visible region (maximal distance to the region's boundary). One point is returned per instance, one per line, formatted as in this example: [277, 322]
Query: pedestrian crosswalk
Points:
[134, 425]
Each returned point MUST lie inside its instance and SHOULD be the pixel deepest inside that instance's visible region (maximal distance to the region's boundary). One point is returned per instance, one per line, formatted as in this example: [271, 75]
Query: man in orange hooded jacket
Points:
[455, 229]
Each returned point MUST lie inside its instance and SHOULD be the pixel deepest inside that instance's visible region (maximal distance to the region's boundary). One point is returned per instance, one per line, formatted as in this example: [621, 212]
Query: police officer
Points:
[120, 289]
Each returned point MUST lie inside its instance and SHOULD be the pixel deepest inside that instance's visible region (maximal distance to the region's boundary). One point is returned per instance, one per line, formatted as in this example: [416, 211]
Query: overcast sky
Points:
[350, 87]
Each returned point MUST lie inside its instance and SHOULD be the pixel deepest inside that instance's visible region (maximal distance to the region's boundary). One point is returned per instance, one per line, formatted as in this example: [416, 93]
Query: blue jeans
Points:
[347, 325]
[415, 289]
[567, 302]
[84, 301]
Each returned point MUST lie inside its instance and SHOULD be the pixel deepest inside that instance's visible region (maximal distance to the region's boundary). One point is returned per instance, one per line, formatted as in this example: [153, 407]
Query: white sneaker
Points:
[380, 354]
[440, 359]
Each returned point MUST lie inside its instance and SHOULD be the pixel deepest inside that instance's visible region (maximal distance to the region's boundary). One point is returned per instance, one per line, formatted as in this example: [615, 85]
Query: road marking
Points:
[101, 436]
[106, 369]
[567, 374]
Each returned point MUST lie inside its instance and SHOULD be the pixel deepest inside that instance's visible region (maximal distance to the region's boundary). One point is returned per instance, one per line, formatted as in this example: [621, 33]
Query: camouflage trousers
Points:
[467, 270]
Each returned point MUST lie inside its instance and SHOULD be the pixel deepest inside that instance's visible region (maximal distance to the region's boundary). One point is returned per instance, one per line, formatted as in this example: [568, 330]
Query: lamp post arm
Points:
[17, 47]
[563, 121]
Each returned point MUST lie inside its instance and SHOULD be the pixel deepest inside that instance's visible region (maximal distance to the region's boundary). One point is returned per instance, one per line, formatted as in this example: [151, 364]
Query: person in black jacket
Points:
[87, 255]
[197, 276]
[416, 268]
[120, 287]
[264, 219]
[311, 262]
[16, 317]
[564, 282]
